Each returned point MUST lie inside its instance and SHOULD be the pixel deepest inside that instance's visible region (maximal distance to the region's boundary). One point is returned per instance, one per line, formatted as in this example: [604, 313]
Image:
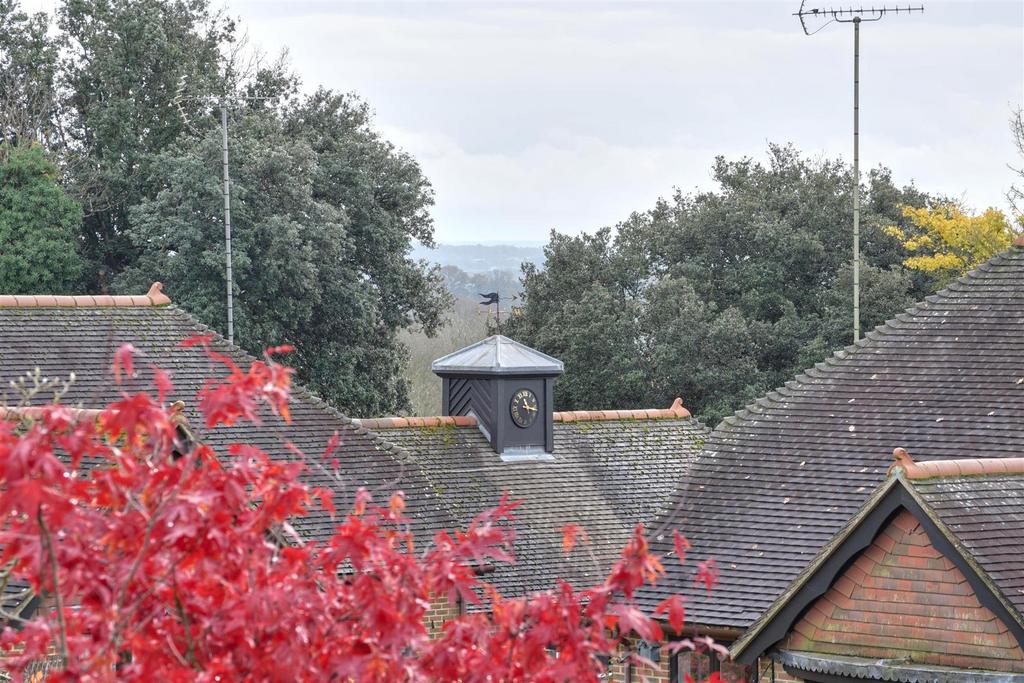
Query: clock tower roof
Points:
[497, 355]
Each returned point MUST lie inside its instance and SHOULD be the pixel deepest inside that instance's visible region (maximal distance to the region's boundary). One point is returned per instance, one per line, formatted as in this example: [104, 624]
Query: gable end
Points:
[829, 567]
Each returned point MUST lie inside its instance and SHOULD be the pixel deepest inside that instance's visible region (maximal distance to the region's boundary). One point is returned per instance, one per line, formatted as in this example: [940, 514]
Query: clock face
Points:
[523, 408]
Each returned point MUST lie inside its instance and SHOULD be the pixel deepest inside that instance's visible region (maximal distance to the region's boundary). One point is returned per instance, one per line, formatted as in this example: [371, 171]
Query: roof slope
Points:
[609, 471]
[81, 338]
[986, 515]
[945, 379]
[950, 535]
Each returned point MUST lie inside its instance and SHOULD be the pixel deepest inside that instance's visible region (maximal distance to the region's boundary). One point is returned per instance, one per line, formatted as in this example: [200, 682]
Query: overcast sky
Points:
[571, 115]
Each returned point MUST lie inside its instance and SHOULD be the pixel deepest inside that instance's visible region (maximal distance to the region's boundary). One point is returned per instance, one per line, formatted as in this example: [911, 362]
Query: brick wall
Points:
[622, 671]
[902, 598]
[440, 612]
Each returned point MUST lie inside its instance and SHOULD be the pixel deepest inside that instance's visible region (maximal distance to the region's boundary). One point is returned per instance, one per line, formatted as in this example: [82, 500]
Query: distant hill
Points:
[482, 258]
[471, 285]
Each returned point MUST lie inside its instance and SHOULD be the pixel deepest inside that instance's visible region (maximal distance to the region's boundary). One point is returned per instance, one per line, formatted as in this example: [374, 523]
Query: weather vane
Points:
[853, 16]
[493, 299]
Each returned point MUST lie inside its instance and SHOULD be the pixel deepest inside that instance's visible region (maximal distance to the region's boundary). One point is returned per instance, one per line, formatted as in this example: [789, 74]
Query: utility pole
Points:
[856, 185]
[223, 102]
[227, 220]
[855, 17]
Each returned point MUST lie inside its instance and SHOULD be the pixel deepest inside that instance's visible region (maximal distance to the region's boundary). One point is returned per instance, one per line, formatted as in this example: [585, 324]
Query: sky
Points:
[532, 116]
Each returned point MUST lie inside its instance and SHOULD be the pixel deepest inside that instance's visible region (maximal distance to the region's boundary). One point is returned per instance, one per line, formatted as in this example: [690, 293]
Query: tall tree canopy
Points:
[718, 296]
[323, 214]
[124, 94]
[125, 62]
[28, 65]
[38, 225]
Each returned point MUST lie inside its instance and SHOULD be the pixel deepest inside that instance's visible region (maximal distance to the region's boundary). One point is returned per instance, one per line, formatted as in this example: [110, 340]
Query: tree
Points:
[124, 95]
[947, 242]
[717, 296]
[28, 64]
[180, 564]
[1015, 194]
[38, 225]
[323, 217]
[125, 62]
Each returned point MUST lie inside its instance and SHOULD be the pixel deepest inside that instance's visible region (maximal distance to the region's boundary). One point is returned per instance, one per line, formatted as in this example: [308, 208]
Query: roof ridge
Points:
[398, 422]
[154, 297]
[846, 354]
[960, 467]
[34, 412]
[675, 411]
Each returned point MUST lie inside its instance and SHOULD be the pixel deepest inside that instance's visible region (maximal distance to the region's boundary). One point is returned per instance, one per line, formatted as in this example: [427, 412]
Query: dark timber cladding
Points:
[494, 379]
[773, 484]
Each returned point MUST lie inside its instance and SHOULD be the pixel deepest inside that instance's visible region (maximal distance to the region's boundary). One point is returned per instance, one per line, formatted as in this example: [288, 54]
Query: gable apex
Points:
[934, 510]
[497, 355]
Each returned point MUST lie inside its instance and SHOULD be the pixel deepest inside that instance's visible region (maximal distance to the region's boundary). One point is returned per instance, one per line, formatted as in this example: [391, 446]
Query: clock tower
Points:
[508, 388]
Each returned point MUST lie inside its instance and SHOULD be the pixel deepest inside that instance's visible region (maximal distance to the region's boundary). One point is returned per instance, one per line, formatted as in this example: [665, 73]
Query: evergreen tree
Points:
[38, 225]
[718, 296]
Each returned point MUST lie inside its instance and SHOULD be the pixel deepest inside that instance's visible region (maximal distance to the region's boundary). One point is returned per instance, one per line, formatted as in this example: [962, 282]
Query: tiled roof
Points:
[985, 513]
[606, 475]
[81, 338]
[929, 527]
[610, 469]
[774, 483]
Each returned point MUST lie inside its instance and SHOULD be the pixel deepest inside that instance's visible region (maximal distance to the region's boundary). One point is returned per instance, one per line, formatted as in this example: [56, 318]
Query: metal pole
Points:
[856, 179]
[227, 220]
[497, 313]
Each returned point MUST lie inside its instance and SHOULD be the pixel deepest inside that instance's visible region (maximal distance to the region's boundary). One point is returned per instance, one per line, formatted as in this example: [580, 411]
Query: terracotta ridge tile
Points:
[964, 467]
[675, 411]
[31, 412]
[154, 297]
[378, 423]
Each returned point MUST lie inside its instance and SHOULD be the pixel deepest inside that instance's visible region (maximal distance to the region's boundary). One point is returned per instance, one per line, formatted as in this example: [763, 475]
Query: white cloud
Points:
[577, 183]
[528, 116]
[572, 115]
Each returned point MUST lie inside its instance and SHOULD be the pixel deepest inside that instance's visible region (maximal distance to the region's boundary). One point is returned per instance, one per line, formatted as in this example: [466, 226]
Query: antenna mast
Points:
[223, 102]
[855, 17]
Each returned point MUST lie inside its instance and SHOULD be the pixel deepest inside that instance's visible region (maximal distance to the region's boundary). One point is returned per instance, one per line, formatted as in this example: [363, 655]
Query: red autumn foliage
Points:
[156, 568]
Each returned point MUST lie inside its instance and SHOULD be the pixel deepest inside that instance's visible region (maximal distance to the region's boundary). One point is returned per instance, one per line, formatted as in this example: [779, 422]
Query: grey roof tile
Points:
[986, 514]
[61, 341]
[606, 476]
[944, 380]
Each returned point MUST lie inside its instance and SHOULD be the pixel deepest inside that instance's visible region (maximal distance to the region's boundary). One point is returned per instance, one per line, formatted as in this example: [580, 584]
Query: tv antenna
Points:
[223, 102]
[855, 16]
